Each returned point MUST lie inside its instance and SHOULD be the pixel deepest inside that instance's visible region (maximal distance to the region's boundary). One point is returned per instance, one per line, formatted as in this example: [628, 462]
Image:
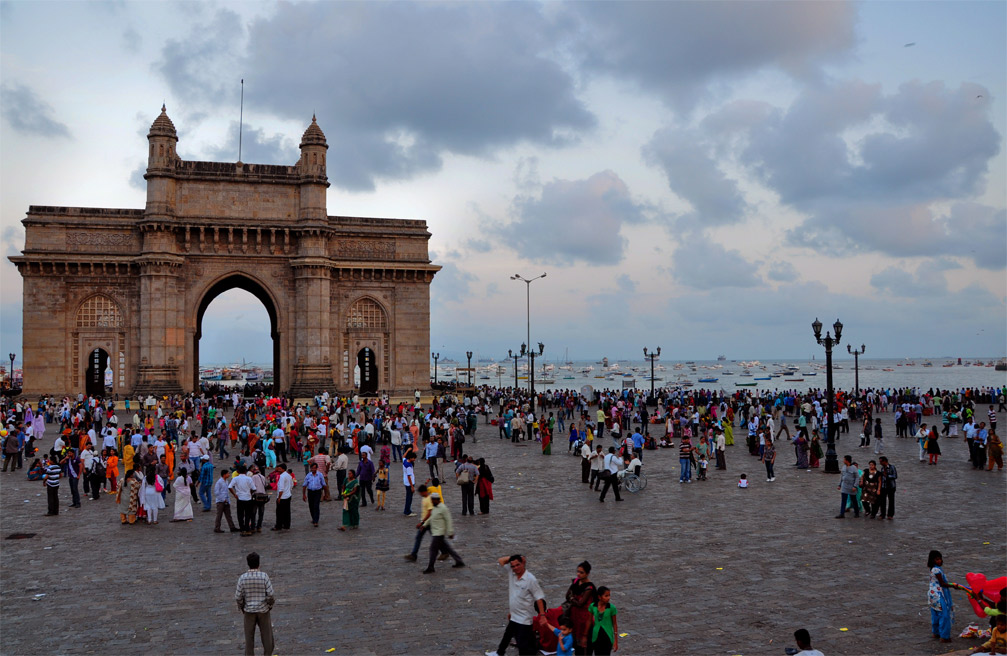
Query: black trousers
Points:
[314, 504]
[585, 470]
[887, 503]
[281, 450]
[366, 488]
[340, 481]
[600, 647]
[74, 494]
[484, 505]
[523, 634]
[468, 498]
[611, 481]
[52, 496]
[95, 486]
[283, 513]
[258, 512]
[595, 479]
[246, 515]
[439, 544]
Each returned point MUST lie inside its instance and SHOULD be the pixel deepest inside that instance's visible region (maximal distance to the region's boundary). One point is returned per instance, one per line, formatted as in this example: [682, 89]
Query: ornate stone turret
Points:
[162, 139]
[313, 147]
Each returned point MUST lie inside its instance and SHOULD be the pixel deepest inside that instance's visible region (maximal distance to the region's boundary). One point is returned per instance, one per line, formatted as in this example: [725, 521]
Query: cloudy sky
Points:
[704, 177]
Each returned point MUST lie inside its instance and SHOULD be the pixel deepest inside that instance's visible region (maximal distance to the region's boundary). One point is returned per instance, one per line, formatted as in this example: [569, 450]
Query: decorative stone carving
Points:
[99, 239]
[365, 249]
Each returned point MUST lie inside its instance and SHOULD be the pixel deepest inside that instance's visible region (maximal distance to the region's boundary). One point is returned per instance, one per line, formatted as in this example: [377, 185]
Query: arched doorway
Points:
[95, 377]
[238, 281]
[368, 372]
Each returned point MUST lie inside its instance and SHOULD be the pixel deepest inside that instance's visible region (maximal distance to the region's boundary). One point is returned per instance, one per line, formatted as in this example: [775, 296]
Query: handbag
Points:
[260, 497]
[157, 484]
[464, 477]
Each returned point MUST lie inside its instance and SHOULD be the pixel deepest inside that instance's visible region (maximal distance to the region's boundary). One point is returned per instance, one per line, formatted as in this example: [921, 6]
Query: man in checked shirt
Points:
[254, 595]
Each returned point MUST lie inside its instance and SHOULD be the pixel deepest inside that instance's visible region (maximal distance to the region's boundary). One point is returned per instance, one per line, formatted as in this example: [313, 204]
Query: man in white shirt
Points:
[585, 463]
[284, 489]
[597, 463]
[526, 601]
[611, 474]
[241, 487]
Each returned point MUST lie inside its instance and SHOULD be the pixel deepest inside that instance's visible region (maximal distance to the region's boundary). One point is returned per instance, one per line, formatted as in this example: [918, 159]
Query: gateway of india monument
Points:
[123, 291]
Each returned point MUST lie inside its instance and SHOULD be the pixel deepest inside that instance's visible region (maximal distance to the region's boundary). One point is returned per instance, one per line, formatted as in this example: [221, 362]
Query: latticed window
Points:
[366, 314]
[99, 312]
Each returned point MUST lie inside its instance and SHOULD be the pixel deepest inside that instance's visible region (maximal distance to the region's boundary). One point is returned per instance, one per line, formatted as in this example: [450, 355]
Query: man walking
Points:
[597, 464]
[255, 599]
[441, 528]
[223, 501]
[72, 464]
[365, 474]
[526, 601]
[51, 479]
[611, 475]
[284, 490]
[585, 463]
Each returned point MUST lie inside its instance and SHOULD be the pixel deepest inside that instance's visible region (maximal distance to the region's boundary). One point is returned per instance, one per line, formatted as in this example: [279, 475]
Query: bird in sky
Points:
[909, 45]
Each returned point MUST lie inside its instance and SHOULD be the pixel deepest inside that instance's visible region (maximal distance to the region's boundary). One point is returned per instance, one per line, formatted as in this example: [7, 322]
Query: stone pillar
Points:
[312, 370]
[161, 326]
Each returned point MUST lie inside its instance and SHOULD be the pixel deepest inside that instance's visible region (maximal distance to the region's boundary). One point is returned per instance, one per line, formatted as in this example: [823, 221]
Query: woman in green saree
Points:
[351, 501]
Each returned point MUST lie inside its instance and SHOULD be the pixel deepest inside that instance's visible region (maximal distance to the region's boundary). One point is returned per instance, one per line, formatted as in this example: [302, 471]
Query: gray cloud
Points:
[678, 48]
[256, 147]
[395, 85]
[574, 220]
[693, 174]
[782, 271]
[702, 264]
[928, 281]
[29, 114]
[625, 283]
[452, 284]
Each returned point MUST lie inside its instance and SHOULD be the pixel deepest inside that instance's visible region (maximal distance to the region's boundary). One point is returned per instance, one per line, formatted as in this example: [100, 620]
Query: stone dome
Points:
[313, 136]
[162, 126]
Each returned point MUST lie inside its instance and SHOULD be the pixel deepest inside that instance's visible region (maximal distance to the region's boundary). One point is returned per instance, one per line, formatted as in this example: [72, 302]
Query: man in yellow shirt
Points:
[427, 506]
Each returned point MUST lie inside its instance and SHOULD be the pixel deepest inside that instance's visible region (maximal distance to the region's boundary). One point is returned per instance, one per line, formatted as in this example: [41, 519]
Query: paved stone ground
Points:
[785, 562]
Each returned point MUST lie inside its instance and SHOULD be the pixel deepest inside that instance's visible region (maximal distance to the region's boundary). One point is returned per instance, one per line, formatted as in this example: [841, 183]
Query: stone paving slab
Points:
[786, 563]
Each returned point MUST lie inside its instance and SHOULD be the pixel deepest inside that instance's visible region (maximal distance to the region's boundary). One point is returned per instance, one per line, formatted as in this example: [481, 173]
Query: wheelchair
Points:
[634, 482]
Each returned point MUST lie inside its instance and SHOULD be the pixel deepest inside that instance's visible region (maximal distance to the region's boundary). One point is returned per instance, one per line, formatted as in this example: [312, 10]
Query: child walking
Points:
[382, 485]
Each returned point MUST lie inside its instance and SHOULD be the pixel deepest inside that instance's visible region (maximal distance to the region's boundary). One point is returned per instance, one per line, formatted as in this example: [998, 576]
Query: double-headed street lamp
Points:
[468, 355]
[527, 282]
[856, 366]
[516, 357]
[11, 356]
[436, 357]
[831, 459]
[652, 357]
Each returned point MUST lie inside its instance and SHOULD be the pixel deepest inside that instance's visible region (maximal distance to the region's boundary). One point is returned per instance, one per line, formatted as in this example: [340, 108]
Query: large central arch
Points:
[243, 281]
[208, 227]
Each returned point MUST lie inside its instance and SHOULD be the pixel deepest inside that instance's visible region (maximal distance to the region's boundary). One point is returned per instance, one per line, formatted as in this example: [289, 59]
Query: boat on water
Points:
[815, 373]
[721, 358]
[726, 373]
[794, 380]
[708, 380]
[745, 384]
[1001, 366]
[887, 369]
[762, 378]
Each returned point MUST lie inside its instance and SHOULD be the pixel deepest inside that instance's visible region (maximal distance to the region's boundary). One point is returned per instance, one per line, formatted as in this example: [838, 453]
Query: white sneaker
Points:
[491, 653]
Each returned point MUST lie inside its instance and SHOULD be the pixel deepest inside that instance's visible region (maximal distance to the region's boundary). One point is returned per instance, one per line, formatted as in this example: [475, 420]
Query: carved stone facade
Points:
[134, 284]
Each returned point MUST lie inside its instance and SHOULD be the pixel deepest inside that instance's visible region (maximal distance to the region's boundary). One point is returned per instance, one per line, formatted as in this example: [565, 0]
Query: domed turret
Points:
[313, 136]
[162, 139]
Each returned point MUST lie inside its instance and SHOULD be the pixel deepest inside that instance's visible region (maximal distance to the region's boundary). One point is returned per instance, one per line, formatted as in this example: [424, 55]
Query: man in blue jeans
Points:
[205, 482]
[685, 450]
[849, 480]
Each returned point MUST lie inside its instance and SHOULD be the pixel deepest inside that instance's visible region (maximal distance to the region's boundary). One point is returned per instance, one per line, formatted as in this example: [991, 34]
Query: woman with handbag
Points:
[351, 501]
[150, 494]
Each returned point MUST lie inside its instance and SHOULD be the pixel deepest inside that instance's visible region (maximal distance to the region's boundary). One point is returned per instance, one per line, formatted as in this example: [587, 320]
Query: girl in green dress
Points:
[604, 625]
[351, 501]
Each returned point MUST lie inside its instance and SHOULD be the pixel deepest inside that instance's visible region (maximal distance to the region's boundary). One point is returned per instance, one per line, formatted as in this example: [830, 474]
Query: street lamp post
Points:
[856, 367]
[516, 357]
[531, 376]
[436, 357]
[468, 354]
[652, 357]
[527, 283]
[831, 459]
[11, 377]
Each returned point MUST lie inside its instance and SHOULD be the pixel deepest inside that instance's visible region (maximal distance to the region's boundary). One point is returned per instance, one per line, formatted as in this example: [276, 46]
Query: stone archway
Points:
[368, 372]
[94, 375]
[211, 226]
[245, 282]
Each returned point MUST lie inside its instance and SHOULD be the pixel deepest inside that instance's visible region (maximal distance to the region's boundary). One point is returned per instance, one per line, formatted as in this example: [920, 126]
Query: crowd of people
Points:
[224, 451]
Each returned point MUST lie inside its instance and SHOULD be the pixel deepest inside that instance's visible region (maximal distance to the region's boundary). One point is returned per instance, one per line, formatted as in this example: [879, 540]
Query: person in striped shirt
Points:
[51, 480]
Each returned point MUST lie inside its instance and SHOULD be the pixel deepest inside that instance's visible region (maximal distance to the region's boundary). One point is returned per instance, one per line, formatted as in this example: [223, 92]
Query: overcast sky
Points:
[704, 177]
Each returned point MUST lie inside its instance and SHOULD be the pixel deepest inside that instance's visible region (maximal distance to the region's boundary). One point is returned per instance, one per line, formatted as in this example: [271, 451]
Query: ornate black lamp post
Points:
[468, 355]
[436, 357]
[856, 366]
[11, 356]
[831, 459]
[531, 376]
[652, 357]
[527, 283]
[516, 357]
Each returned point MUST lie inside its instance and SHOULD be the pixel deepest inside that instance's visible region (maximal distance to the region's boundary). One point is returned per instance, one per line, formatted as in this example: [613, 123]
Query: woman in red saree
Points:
[484, 486]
